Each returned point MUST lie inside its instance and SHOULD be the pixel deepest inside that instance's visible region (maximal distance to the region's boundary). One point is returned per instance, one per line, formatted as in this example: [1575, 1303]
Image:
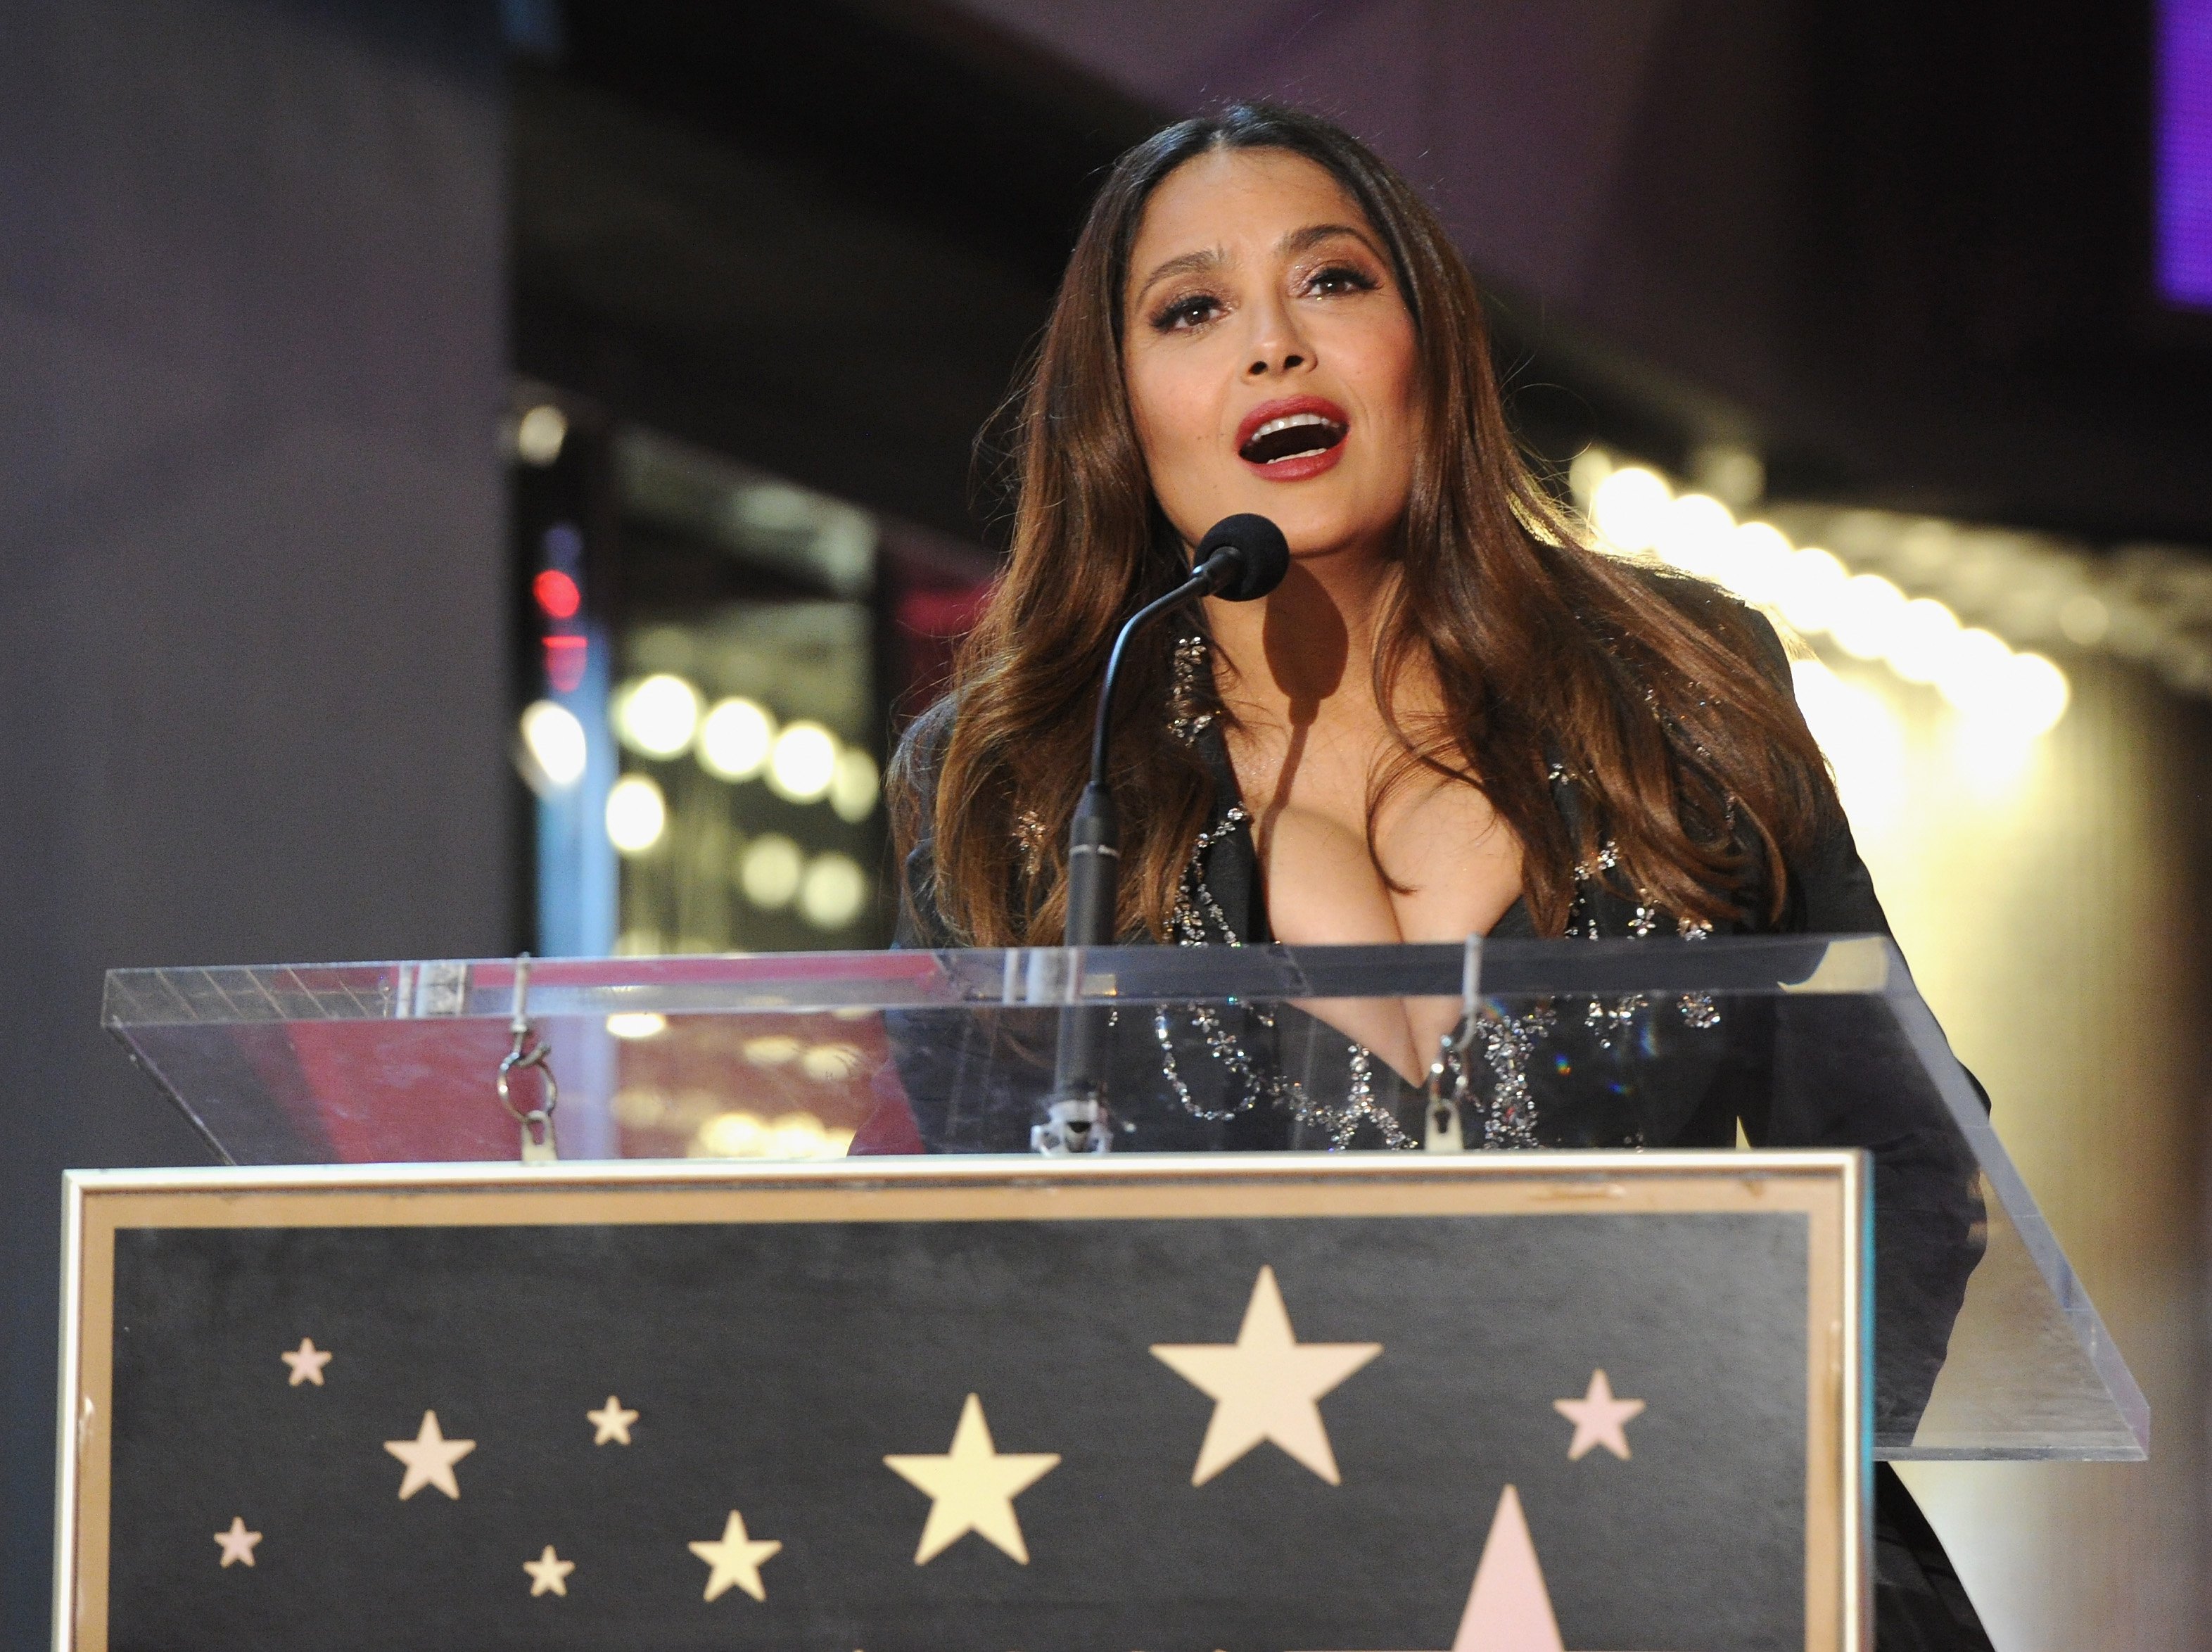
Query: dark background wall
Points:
[253, 694]
[1903, 250]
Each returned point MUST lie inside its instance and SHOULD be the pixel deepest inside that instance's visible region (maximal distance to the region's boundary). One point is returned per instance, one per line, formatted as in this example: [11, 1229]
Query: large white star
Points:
[973, 1487]
[1599, 1418]
[238, 1542]
[736, 1560]
[1265, 1385]
[430, 1457]
[307, 1362]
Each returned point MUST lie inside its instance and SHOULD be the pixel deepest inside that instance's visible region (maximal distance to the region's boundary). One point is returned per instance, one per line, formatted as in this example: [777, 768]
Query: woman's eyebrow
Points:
[1183, 264]
[1298, 241]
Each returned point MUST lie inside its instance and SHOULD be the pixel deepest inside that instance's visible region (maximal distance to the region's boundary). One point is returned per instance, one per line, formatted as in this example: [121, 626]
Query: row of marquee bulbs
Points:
[739, 739]
[1867, 616]
[736, 739]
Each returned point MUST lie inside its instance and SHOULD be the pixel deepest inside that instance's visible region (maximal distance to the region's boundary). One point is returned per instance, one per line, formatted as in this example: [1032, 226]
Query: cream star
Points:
[549, 1574]
[307, 1362]
[1265, 1386]
[238, 1542]
[736, 1560]
[430, 1457]
[973, 1487]
[612, 1423]
[1599, 1418]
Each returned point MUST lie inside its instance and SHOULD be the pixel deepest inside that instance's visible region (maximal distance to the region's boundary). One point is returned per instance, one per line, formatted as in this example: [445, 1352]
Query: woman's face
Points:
[1269, 356]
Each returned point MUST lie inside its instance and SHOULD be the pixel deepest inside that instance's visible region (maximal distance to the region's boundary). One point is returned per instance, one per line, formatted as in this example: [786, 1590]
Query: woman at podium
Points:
[1453, 715]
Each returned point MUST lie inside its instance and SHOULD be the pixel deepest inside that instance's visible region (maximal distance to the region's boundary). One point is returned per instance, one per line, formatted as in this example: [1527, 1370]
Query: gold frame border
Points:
[1830, 1187]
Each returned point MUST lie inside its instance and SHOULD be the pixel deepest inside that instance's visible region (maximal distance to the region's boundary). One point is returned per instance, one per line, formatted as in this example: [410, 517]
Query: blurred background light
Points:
[566, 658]
[2084, 620]
[1756, 563]
[803, 761]
[734, 1134]
[770, 870]
[833, 890]
[1867, 612]
[832, 1063]
[1972, 675]
[539, 433]
[772, 1050]
[637, 815]
[2040, 693]
[1921, 640]
[656, 715]
[1811, 587]
[735, 738]
[645, 1024]
[555, 742]
[740, 1135]
[1628, 506]
[556, 593]
[1690, 532]
[854, 785]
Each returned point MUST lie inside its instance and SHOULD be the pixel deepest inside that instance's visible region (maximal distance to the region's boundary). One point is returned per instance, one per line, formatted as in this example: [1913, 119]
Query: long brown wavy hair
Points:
[1690, 756]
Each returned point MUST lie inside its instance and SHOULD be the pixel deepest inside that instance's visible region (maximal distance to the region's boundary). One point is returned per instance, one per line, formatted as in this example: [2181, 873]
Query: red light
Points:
[564, 661]
[556, 593]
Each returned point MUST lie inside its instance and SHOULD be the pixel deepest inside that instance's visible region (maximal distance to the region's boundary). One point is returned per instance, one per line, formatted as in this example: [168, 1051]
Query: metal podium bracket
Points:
[536, 1123]
[1444, 1119]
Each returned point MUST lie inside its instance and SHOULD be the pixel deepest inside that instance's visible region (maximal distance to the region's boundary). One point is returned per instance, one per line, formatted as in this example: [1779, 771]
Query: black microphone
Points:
[1241, 558]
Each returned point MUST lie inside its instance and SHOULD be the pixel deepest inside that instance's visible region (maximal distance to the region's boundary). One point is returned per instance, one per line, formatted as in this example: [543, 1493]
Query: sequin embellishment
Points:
[1197, 919]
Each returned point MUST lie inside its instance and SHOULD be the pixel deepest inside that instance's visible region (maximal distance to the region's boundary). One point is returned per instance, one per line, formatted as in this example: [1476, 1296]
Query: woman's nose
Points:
[1277, 346]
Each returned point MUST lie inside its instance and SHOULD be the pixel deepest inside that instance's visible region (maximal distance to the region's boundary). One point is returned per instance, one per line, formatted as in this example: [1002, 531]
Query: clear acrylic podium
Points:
[1985, 1345]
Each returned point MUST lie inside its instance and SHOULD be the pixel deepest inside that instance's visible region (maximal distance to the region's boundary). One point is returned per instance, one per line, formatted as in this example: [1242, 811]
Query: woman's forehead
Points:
[1235, 201]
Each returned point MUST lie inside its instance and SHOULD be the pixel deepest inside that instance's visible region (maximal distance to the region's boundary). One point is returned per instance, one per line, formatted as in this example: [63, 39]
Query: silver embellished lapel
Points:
[1501, 1101]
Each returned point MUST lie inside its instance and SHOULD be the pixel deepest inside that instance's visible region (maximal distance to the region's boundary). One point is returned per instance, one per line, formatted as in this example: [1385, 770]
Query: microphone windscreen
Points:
[1263, 555]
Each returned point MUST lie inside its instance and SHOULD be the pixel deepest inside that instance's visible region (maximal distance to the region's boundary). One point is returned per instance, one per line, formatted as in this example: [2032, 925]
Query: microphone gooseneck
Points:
[1242, 558]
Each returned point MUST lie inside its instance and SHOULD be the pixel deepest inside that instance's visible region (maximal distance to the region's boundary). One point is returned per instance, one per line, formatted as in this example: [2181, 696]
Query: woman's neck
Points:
[1308, 643]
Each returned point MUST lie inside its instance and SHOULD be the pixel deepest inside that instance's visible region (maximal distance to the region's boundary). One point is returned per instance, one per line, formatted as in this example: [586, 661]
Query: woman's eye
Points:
[1187, 313]
[1340, 278]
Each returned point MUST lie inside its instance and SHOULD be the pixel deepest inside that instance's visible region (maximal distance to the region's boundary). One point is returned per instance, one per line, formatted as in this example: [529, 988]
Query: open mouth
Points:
[1279, 433]
[1292, 438]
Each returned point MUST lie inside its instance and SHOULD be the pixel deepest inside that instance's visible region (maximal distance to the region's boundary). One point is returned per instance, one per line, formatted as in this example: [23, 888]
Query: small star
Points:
[430, 1457]
[736, 1560]
[549, 1574]
[1599, 1418]
[307, 1362]
[612, 1423]
[238, 1542]
[1265, 1385]
[972, 1488]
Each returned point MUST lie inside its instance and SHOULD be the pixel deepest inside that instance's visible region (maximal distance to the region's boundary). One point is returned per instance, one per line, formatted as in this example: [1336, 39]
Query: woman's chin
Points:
[1317, 532]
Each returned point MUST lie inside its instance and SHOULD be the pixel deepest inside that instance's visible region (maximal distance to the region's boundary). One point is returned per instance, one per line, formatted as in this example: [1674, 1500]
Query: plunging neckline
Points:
[1515, 923]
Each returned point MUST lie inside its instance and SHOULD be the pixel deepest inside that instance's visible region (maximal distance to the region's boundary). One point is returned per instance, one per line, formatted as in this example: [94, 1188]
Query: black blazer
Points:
[1824, 1071]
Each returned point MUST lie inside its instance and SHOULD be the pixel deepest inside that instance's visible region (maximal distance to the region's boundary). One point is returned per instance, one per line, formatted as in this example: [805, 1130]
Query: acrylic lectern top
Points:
[1985, 1344]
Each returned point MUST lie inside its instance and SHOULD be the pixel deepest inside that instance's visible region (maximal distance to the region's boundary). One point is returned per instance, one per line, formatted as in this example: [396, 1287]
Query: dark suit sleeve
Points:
[1845, 1074]
[920, 924]
[966, 1078]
